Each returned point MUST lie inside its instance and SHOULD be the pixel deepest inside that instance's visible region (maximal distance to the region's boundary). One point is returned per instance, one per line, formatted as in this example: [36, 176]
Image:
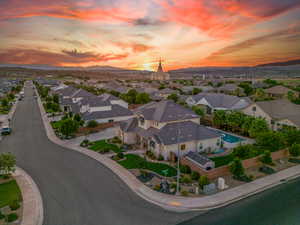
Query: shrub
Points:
[184, 193]
[116, 140]
[186, 179]
[203, 180]
[84, 143]
[120, 155]
[266, 158]
[157, 187]
[160, 158]
[294, 150]
[14, 205]
[195, 175]
[11, 217]
[185, 169]
[92, 124]
[236, 168]
[150, 155]
[1, 215]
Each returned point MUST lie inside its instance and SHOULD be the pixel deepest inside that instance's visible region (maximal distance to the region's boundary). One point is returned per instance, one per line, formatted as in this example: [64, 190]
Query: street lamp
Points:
[178, 160]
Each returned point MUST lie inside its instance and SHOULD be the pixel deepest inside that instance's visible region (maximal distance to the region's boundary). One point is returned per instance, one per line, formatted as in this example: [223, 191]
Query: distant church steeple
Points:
[160, 69]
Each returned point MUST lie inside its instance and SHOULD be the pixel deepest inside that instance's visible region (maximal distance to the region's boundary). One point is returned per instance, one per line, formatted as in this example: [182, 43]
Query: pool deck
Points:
[245, 140]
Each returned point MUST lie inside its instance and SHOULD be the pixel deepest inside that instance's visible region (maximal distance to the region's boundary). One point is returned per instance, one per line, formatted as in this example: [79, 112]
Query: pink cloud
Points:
[67, 10]
[66, 57]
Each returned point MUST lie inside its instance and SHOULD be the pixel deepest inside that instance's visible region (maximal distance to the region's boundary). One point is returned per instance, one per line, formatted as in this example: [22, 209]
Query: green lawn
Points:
[222, 160]
[136, 162]
[56, 124]
[103, 146]
[9, 192]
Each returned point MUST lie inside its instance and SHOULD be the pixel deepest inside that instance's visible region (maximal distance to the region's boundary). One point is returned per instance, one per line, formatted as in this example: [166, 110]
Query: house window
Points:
[152, 144]
[142, 120]
[182, 147]
[254, 108]
[110, 121]
[272, 122]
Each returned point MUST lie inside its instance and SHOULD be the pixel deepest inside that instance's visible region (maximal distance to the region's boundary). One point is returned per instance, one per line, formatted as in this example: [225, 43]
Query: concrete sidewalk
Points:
[178, 203]
[33, 212]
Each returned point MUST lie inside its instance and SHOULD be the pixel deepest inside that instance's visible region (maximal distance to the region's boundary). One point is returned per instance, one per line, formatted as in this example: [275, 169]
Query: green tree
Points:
[77, 117]
[270, 140]
[203, 180]
[7, 163]
[266, 157]
[294, 150]
[142, 98]
[92, 124]
[173, 97]
[68, 127]
[258, 126]
[196, 91]
[235, 120]
[236, 168]
[291, 136]
[244, 151]
[4, 102]
[199, 111]
[219, 118]
[56, 98]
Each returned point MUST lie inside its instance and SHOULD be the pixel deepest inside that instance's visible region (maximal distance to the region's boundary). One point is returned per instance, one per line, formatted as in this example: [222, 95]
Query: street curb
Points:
[177, 203]
[33, 212]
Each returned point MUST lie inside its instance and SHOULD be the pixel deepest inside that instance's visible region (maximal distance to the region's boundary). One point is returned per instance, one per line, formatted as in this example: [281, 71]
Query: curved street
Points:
[76, 190]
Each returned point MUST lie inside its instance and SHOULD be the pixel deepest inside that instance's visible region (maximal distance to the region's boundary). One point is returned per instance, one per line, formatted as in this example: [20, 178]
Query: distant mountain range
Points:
[283, 63]
[48, 67]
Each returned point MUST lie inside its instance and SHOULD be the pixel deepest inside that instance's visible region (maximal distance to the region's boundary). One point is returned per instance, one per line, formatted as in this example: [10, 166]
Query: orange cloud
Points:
[32, 56]
[135, 47]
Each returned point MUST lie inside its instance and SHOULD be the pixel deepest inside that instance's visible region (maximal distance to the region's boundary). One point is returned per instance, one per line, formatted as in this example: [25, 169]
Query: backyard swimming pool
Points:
[230, 138]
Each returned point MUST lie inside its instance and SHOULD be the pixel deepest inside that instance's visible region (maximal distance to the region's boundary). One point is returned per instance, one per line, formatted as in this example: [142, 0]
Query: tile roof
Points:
[174, 133]
[116, 111]
[219, 100]
[281, 109]
[165, 111]
[279, 89]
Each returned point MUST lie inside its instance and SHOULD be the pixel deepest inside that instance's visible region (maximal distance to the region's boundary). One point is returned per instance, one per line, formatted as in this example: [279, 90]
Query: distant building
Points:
[160, 74]
[216, 101]
[278, 91]
[278, 113]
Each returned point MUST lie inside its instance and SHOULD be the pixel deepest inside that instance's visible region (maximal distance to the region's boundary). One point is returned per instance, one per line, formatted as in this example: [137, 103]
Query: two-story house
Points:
[166, 129]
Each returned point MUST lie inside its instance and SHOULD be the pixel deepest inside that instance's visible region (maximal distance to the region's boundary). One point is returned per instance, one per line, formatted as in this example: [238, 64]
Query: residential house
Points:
[278, 113]
[104, 108]
[230, 89]
[217, 101]
[166, 128]
[278, 91]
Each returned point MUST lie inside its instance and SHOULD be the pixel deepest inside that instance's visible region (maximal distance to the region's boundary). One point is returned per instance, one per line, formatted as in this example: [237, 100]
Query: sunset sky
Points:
[134, 34]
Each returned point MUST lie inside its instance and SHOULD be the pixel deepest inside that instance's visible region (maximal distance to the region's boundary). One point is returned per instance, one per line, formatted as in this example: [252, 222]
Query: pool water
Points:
[220, 150]
[230, 138]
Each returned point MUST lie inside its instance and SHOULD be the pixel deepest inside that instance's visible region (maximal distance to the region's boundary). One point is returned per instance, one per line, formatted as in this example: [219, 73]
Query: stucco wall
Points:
[224, 170]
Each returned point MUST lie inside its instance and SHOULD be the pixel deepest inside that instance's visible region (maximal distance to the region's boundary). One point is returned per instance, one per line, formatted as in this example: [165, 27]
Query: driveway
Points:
[105, 134]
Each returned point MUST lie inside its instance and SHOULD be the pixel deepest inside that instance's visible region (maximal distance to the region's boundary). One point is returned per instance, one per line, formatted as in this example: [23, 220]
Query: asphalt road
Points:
[76, 190]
